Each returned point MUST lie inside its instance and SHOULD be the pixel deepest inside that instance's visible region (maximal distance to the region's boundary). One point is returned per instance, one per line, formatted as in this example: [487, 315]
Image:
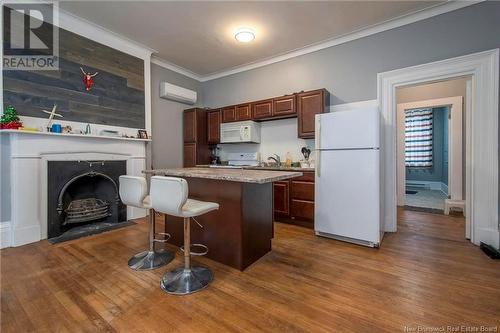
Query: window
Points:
[418, 138]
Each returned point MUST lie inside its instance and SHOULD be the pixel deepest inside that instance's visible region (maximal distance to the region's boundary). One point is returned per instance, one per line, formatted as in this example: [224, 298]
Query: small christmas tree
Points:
[9, 119]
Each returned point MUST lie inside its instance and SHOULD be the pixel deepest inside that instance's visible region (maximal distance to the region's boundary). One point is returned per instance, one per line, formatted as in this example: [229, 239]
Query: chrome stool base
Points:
[184, 281]
[150, 259]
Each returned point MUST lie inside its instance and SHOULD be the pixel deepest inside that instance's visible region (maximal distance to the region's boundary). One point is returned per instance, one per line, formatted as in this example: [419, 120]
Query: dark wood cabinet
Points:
[304, 105]
[299, 196]
[189, 155]
[275, 108]
[196, 150]
[262, 109]
[213, 126]
[284, 106]
[302, 190]
[243, 112]
[309, 104]
[281, 198]
[190, 125]
[236, 113]
[302, 210]
[228, 114]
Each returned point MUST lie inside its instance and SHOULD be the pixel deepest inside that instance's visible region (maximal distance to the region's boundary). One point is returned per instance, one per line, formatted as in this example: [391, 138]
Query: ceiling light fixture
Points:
[244, 35]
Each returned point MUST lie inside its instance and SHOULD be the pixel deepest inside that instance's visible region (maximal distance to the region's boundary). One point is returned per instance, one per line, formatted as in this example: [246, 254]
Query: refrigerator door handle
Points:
[317, 135]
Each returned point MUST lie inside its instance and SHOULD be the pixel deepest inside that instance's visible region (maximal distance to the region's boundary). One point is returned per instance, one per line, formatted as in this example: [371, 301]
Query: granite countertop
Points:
[234, 175]
[281, 168]
[273, 168]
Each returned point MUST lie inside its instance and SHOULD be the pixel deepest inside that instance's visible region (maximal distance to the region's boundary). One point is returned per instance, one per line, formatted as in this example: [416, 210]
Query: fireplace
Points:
[83, 198]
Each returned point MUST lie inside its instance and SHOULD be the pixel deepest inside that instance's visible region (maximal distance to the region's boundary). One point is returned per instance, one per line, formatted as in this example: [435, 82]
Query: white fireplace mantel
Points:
[24, 175]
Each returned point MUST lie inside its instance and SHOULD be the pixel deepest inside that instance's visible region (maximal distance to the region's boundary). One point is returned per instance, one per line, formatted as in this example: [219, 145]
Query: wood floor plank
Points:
[426, 274]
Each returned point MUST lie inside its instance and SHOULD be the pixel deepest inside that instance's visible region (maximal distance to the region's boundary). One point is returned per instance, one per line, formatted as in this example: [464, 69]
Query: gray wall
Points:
[349, 71]
[167, 118]
[439, 170]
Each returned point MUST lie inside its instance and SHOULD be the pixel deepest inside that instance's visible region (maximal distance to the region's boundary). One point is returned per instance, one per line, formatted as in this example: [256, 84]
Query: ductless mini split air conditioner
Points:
[178, 94]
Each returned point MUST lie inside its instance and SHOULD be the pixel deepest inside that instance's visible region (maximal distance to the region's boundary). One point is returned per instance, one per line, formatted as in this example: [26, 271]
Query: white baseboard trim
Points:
[488, 236]
[5, 234]
[430, 185]
[26, 235]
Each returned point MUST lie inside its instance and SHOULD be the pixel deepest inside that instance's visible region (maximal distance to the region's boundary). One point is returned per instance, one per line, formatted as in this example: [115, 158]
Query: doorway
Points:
[425, 158]
[481, 157]
[430, 144]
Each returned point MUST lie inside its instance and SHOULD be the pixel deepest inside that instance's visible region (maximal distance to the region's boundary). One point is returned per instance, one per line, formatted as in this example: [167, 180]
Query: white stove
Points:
[243, 159]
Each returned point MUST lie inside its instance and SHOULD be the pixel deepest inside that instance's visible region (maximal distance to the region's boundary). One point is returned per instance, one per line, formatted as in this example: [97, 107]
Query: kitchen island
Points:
[240, 232]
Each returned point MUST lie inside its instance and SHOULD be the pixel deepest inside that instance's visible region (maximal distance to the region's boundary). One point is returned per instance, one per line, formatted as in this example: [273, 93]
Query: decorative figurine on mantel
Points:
[9, 119]
[52, 114]
[88, 79]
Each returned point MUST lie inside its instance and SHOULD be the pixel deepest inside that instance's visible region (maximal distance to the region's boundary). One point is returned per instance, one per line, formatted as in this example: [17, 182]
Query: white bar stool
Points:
[133, 192]
[169, 195]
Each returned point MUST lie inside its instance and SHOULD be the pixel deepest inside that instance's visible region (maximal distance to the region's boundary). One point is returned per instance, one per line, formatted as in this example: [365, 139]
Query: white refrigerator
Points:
[347, 187]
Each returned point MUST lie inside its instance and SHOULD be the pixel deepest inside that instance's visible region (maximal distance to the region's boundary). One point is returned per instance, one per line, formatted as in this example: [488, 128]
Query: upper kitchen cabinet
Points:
[275, 108]
[262, 109]
[243, 112]
[189, 125]
[213, 126]
[196, 150]
[284, 106]
[309, 104]
[228, 114]
[236, 113]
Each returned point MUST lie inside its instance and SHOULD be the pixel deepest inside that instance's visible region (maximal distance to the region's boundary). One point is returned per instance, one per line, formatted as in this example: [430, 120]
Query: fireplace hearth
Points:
[83, 198]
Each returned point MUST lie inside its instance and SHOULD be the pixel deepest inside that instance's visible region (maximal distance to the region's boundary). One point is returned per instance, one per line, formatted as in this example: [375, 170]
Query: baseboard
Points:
[488, 236]
[26, 235]
[429, 185]
[5, 234]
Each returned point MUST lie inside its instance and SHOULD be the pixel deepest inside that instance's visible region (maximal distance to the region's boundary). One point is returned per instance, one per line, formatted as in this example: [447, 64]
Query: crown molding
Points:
[400, 21]
[95, 32]
[178, 69]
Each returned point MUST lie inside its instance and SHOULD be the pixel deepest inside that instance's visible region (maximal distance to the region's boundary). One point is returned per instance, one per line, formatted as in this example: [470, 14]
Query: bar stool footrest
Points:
[204, 249]
[165, 234]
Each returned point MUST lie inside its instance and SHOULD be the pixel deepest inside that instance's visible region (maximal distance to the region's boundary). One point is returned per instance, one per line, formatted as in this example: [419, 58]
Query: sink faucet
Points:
[275, 159]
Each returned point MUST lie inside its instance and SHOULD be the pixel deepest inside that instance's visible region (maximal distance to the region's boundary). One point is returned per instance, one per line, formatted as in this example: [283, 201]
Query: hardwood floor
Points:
[426, 274]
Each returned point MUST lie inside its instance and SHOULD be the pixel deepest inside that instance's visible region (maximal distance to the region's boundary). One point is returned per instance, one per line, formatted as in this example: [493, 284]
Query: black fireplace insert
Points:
[83, 198]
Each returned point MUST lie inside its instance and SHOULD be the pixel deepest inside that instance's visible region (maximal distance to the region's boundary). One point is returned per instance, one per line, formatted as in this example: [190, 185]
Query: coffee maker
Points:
[214, 155]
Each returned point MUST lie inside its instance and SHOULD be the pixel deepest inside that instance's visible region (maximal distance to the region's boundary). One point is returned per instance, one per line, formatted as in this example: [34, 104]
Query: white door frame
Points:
[455, 161]
[468, 167]
[483, 130]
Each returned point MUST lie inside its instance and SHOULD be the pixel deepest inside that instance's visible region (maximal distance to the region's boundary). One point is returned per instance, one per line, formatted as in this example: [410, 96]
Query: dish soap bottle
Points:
[288, 162]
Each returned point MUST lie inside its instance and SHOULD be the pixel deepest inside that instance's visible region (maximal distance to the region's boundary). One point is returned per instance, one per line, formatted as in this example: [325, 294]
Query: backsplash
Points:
[277, 137]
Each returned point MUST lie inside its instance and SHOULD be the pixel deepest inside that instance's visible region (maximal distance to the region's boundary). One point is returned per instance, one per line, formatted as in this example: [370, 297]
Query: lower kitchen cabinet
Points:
[294, 200]
[281, 198]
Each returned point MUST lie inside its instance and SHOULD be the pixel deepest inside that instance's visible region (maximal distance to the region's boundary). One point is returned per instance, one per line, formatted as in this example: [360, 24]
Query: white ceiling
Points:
[198, 36]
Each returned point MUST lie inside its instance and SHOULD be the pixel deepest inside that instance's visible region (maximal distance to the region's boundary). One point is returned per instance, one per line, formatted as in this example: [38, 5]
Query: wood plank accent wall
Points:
[116, 99]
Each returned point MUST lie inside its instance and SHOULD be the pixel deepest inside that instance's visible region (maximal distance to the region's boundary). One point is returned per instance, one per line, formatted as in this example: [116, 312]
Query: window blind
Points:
[418, 138]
